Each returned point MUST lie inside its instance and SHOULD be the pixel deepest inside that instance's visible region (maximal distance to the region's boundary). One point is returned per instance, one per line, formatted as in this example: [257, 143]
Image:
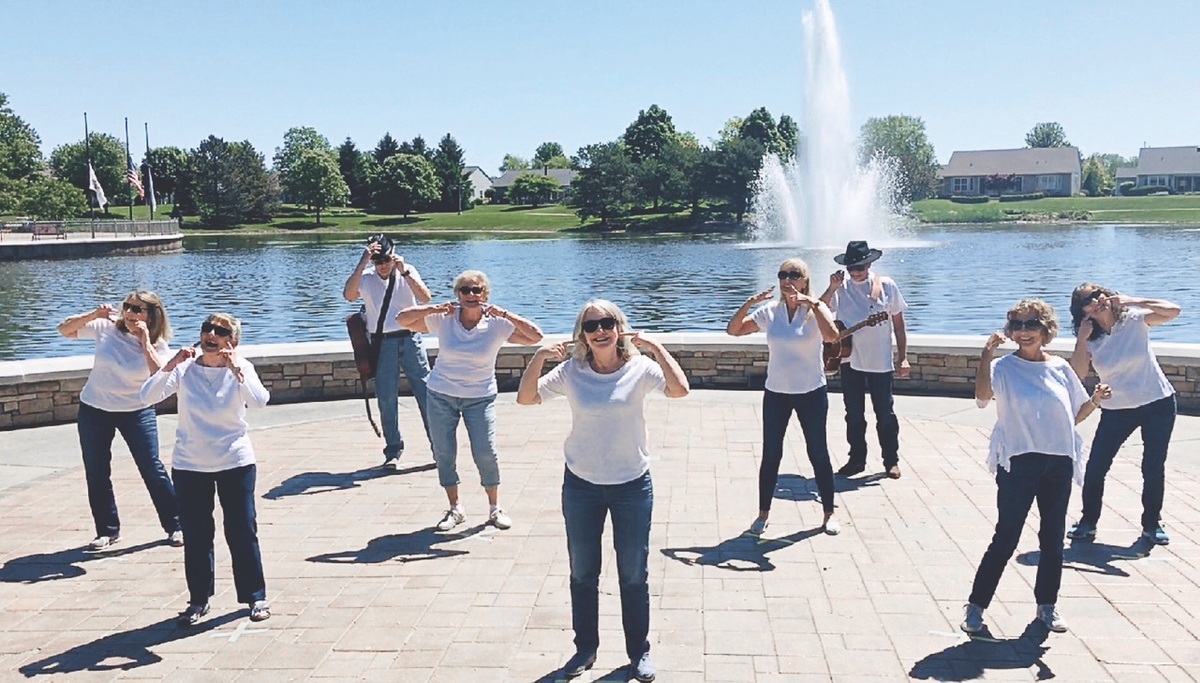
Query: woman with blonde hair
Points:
[131, 345]
[606, 380]
[463, 385]
[796, 323]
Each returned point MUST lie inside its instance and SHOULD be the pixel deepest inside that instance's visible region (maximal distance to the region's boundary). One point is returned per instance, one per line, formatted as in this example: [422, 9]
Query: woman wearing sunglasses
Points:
[1035, 452]
[213, 455]
[606, 382]
[462, 384]
[796, 323]
[131, 345]
[1112, 334]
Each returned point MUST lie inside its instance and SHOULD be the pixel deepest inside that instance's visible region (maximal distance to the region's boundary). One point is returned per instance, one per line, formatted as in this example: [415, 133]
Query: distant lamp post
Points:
[459, 188]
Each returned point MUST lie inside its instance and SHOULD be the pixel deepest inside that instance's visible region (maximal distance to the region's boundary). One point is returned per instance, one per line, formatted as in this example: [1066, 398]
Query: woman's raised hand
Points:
[761, 296]
[1103, 392]
[1086, 326]
[139, 328]
[557, 351]
[105, 311]
[993, 341]
[447, 308]
[494, 311]
[181, 355]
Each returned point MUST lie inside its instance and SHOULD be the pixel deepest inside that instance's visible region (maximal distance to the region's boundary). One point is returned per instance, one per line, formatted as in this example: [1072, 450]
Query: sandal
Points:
[260, 611]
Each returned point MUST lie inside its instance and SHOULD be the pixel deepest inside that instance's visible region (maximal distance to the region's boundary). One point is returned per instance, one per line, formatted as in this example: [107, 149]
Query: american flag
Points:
[136, 180]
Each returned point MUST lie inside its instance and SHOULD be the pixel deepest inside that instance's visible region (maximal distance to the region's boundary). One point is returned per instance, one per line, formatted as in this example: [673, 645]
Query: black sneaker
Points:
[191, 615]
[578, 663]
[850, 469]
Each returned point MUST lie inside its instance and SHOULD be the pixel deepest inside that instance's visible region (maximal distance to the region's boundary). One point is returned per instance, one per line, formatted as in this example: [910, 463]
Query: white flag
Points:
[150, 189]
[94, 186]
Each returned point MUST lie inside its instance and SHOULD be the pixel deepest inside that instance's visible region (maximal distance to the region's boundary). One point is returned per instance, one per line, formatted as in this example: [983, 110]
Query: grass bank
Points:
[1161, 209]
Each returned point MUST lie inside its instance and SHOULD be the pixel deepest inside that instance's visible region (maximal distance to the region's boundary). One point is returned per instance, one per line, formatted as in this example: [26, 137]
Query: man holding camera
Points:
[387, 288]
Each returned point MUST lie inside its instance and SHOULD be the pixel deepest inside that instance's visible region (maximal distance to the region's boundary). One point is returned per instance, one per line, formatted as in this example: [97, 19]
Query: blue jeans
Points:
[139, 428]
[396, 353]
[479, 414]
[585, 505]
[855, 386]
[1031, 476]
[235, 489]
[1157, 421]
[811, 409]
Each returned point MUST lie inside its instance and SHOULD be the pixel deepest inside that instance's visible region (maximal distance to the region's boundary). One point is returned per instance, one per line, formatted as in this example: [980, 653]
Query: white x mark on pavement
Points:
[235, 634]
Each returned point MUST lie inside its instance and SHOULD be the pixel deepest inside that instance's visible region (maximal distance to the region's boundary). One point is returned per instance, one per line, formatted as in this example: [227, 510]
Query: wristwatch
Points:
[406, 273]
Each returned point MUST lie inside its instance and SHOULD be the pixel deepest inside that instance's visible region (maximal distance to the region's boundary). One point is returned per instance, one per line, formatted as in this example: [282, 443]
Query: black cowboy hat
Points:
[858, 254]
[386, 247]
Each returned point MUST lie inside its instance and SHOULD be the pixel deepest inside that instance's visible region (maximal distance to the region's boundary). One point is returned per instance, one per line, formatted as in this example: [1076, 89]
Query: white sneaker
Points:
[500, 519]
[103, 542]
[1048, 615]
[452, 519]
[832, 527]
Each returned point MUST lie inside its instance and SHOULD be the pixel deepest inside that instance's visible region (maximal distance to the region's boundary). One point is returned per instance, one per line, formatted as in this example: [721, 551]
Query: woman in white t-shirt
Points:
[462, 384]
[213, 456]
[131, 345]
[796, 324]
[1112, 334]
[1035, 453]
[606, 381]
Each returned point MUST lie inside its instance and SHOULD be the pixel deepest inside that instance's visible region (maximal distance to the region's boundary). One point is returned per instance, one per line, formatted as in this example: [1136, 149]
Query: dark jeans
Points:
[235, 489]
[811, 410]
[139, 428]
[585, 505]
[855, 386]
[1031, 476]
[1156, 420]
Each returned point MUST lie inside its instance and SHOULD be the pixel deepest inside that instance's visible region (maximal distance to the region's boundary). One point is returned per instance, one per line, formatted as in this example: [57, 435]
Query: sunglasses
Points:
[791, 275]
[219, 330]
[467, 289]
[591, 326]
[1095, 295]
[1033, 324]
[134, 308]
[856, 269]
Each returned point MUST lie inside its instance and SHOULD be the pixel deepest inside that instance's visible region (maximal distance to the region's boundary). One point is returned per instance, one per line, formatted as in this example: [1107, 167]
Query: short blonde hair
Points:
[474, 276]
[797, 263]
[157, 321]
[230, 322]
[581, 350]
[1042, 310]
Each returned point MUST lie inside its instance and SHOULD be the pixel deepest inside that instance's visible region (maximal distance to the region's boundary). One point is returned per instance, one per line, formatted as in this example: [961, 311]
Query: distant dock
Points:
[65, 240]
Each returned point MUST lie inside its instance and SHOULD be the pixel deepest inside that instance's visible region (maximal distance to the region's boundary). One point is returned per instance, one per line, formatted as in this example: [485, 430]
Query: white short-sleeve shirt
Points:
[466, 359]
[373, 288]
[1124, 361]
[794, 361]
[1036, 404]
[607, 443]
[871, 347]
[119, 368]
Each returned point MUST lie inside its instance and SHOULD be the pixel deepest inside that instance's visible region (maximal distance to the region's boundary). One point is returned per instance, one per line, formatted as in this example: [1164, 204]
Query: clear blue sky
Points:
[504, 77]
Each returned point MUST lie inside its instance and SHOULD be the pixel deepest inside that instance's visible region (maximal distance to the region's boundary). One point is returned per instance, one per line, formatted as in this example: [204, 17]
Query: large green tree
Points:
[20, 146]
[386, 148]
[316, 181]
[350, 164]
[51, 199]
[1097, 180]
[512, 162]
[732, 169]
[760, 127]
[545, 152]
[418, 147]
[403, 183]
[448, 162]
[606, 187]
[297, 141]
[169, 165]
[231, 183]
[902, 141]
[532, 188]
[649, 134]
[1048, 134]
[789, 137]
[69, 162]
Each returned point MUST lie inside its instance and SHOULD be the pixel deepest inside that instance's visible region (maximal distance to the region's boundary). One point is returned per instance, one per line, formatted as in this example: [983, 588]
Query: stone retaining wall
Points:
[41, 392]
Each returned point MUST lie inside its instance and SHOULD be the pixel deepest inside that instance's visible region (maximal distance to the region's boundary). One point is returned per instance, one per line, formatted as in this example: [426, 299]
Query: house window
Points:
[960, 185]
[1049, 182]
[1157, 180]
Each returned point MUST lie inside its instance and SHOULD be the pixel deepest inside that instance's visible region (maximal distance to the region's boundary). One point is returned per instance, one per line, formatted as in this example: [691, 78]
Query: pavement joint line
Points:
[234, 635]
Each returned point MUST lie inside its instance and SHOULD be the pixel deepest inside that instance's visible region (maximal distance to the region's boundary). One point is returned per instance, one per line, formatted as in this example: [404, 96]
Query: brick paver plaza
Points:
[363, 589]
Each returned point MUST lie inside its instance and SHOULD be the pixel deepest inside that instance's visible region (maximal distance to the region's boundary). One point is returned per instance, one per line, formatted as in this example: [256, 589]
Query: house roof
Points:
[564, 176]
[469, 170]
[1169, 160]
[1127, 172]
[1026, 161]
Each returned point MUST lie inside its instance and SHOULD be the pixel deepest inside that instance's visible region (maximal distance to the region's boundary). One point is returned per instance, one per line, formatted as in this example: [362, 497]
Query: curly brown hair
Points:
[1042, 310]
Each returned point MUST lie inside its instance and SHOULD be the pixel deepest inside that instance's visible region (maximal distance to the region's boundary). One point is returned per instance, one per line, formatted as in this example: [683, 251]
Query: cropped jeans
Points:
[811, 409]
[1030, 476]
[396, 353]
[235, 489]
[97, 429]
[479, 414]
[585, 506]
[855, 387]
[1156, 420]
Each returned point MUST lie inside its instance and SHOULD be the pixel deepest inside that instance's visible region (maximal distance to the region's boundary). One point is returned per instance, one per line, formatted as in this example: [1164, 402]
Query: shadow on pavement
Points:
[122, 651]
[64, 564]
[620, 673]
[745, 553]
[971, 660]
[410, 547]
[308, 483]
[1095, 558]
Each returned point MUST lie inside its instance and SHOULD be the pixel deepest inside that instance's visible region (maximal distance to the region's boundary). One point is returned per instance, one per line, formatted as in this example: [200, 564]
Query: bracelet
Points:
[1094, 402]
[406, 273]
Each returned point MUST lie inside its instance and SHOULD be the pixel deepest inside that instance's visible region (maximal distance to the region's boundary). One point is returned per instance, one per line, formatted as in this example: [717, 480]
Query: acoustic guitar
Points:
[833, 352]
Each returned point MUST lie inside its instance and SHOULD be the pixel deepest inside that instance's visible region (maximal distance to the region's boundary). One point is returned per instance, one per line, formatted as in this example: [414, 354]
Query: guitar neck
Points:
[856, 327]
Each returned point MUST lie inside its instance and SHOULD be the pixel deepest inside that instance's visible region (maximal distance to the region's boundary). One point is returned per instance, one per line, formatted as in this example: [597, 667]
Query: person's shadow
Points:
[621, 673]
[744, 553]
[64, 564]
[308, 483]
[1095, 558]
[411, 547]
[970, 660]
[123, 651]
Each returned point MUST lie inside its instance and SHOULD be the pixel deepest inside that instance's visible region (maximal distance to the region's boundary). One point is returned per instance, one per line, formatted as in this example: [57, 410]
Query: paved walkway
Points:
[362, 589]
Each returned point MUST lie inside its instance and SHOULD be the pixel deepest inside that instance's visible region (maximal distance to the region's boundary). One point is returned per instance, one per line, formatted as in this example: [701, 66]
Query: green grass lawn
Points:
[1162, 209]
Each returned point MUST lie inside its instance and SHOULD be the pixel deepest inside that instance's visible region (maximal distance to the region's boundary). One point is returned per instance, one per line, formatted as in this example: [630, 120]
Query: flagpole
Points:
[129, 164]
[87, 146]
[149, 173]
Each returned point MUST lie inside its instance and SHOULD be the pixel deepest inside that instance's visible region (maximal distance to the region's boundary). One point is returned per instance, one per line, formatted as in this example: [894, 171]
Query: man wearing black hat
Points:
[870, 366]
[393, 285]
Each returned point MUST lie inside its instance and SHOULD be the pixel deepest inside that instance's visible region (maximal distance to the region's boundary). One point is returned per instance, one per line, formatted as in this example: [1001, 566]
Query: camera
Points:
[386, 248]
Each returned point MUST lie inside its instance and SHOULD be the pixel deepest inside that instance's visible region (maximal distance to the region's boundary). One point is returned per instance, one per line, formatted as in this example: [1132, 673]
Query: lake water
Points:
[957, 279]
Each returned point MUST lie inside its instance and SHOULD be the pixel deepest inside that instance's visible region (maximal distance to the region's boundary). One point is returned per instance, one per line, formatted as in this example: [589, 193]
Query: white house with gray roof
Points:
[1177, 168]
[1057, 171]
[480, 181]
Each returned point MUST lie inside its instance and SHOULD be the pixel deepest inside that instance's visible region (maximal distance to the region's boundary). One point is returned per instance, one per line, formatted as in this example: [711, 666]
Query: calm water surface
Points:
[957, 279]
